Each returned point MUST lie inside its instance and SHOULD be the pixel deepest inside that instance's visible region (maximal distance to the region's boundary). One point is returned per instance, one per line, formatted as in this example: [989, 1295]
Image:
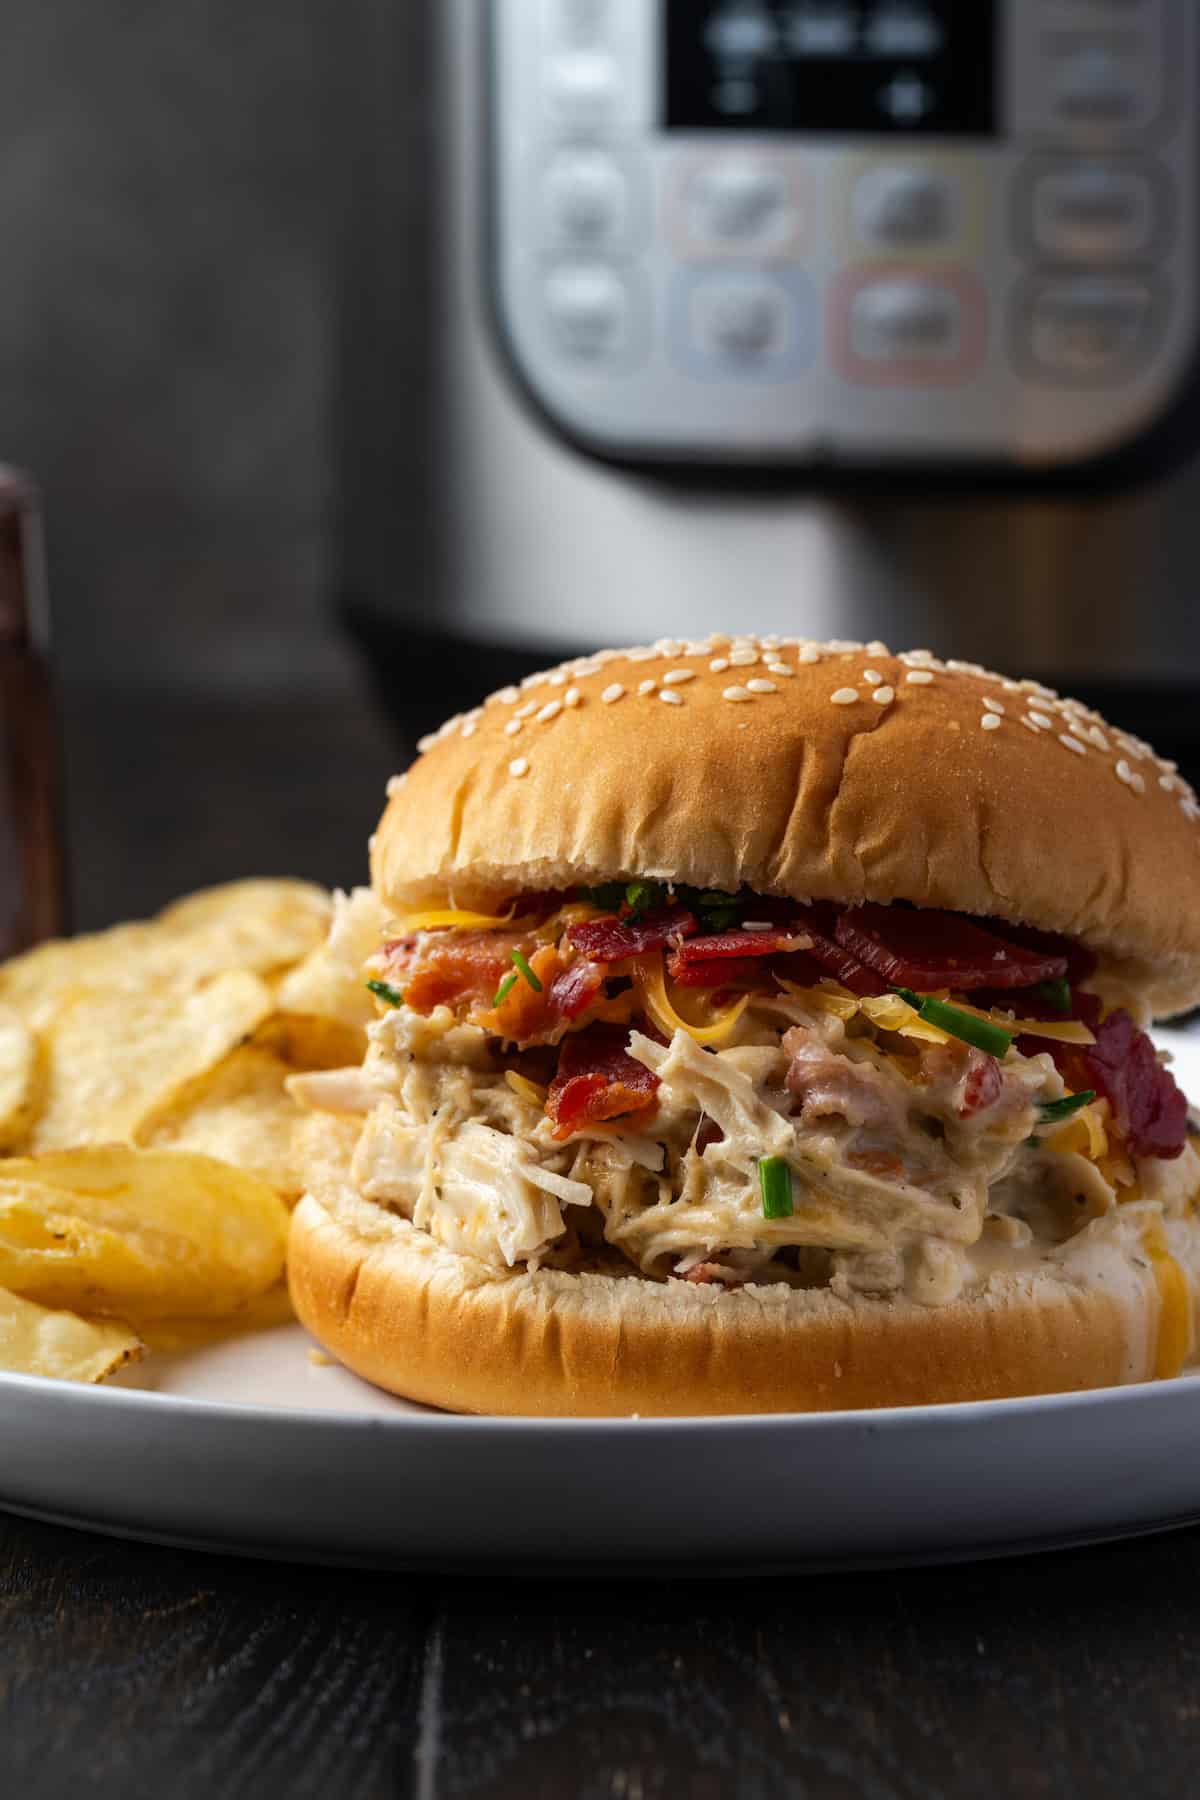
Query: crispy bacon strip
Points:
[832, 958]
[695, 960]
[597, 1079]
[1149, 1111]
[613, 940]
[572, 992]
[450, 968]
[924, 949]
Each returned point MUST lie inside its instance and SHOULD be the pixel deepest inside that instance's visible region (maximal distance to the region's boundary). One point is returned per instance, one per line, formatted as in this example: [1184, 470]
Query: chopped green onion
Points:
[392, 995]
[1052, 1111]
[1056, 994]
[504, 990]
[523, 964]
[980, 1033]
[640, 896]
[775, 1185]
[608, 895]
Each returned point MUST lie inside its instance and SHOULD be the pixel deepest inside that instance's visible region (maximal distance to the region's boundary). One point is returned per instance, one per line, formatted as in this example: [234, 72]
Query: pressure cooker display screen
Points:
[862, 66]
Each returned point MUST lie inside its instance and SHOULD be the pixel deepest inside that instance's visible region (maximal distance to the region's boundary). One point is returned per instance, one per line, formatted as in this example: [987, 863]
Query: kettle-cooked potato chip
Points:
[20, 1071]
[118, 1054]
[138, 1233]
[36, 1340]
[241, 1113]
[330, 980]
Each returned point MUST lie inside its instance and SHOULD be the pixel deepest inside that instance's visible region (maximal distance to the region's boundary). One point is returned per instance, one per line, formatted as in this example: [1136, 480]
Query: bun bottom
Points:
[426, 1322]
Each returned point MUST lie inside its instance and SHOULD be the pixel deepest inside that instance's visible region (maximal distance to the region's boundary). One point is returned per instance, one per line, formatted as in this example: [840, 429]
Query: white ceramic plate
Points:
[251, 1446]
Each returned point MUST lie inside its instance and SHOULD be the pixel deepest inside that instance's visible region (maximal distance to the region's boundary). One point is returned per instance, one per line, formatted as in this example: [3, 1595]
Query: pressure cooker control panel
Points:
[861, 231]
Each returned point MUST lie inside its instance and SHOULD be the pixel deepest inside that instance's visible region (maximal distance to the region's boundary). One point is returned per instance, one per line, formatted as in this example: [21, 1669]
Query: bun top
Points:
[815, 771]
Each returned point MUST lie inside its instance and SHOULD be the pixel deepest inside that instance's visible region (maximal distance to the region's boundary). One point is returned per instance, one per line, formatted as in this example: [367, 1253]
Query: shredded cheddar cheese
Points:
[651, 986]
[1175, 1322]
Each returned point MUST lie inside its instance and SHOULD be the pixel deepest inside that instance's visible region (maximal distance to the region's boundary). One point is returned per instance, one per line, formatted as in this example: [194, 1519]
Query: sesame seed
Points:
[394, 785]
[643, 653]
[759, 686]
[667, 647]
[781, 669]
[469, 728]
[701, 647]
[1041, 721]
[1138, 784]
[1030, 726]
[872, 677]
[673, 677]
[646, 687]
[991, 722]
[671, 697]
[512, 728]
[919, 677]
[1011, 687]
[742, 658]
[876, 648]
[427, 742]
[613, 691]
[916, 656]
[883, 696]
[994, 706]
[557, 679]
[1123, 772]
[719, 664]
[572, 697]
[519, 766]
[1189, 809]
[757, 925]
[371, 843]
[1072, 743]
[736, 693]
[550, 711]
[505, 695]
[523, 712]
[771, 641]
[808, 653]
[844, 696]
[1168, 784]
[1166, 765]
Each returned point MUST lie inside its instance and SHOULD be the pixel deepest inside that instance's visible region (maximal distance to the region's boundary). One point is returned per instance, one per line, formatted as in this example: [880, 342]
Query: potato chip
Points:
[20, 1078]
[35, 1340]
[256, 925]
[118, 1054]
[306, 1041]
[34, 984]
[259, 926]
[138, 1233]
[241, 1113]
[330, 981]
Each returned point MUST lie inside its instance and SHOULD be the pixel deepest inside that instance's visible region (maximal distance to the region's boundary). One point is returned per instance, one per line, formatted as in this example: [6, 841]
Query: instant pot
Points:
[850, 318]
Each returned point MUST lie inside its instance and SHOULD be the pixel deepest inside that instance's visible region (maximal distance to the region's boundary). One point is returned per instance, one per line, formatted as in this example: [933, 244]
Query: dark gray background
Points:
[173, 183]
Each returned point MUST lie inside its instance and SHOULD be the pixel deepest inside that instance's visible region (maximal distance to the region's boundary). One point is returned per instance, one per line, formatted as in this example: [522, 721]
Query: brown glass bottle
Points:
[31, 859]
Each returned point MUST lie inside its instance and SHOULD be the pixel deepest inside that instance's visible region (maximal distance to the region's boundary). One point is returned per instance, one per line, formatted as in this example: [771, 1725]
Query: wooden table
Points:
[127, 1671]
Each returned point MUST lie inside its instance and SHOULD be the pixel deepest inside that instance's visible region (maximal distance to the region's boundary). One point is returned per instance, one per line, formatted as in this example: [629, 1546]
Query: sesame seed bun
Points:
[814, 772]
[444, 1328]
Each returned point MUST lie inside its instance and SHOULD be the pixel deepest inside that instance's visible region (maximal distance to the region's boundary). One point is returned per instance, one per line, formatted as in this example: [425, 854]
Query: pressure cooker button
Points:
[740, 317]
[1097, 84]
[905, 208]
[1090, 327]
[583, 88]
[1095, 210]
[905, 320]
[585, 201]
[590, 311]
[738, 202]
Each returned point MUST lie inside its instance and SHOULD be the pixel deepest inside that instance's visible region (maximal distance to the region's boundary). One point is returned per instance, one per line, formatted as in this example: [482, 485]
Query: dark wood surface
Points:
[127, 1671]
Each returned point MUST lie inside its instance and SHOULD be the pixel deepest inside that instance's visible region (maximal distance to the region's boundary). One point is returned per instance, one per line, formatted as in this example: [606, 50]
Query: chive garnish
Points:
[775, 1186]
[640, 896]
[1056, 993]
[1051, 1112]
[608, 896]
[523, 965]
[504, 990]
[980, 1033]
[393, 996]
